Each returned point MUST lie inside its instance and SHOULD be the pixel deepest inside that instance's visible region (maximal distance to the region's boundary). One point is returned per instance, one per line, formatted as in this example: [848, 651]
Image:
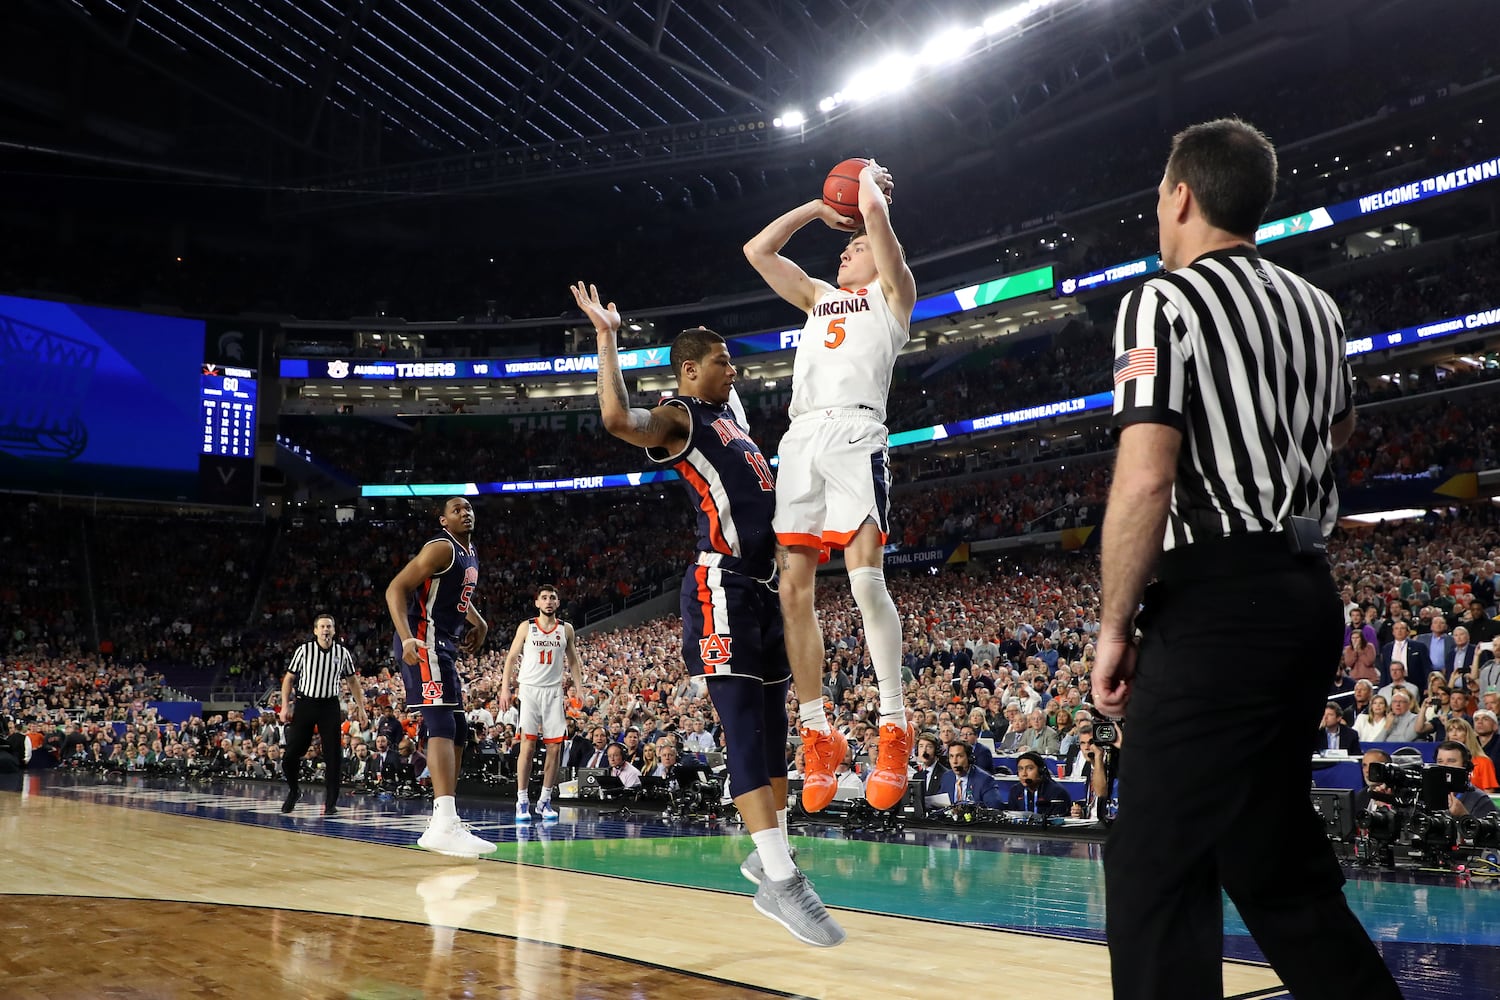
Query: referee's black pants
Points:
[326, 716]
[1240, 642]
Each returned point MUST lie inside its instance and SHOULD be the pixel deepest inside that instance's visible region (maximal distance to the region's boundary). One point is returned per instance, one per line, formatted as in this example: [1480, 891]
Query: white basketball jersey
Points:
[542, 657]
[846, 353]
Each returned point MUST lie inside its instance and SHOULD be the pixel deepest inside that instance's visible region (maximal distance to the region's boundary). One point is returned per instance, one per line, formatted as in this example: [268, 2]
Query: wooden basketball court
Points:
[113, 898]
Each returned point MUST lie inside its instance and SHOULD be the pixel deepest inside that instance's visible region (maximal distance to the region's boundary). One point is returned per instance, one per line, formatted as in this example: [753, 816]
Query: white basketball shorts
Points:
[834, 475]
[542, 713]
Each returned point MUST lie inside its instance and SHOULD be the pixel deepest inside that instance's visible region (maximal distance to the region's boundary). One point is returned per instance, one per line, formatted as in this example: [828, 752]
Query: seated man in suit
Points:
[963, 782]
[666, 761]
[931, 764]
[579, 747]
[1333, 734]
[1040, 737]
[592, 754]
[981, 755]
[1037, 792]
[1015, 729]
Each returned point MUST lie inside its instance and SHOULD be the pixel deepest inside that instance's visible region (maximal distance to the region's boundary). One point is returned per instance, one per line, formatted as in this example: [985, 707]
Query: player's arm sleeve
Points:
[1150, 366]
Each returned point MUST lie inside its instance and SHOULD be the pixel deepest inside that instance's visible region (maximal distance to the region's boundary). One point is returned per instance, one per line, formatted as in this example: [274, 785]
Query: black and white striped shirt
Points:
[320, 672]
[1247, 360]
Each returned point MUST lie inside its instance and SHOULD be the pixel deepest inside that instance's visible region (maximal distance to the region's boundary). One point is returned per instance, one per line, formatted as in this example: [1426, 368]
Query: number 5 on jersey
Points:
[835, 333]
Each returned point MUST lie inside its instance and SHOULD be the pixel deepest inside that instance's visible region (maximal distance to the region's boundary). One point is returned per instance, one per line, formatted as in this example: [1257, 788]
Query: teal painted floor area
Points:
[944, 878]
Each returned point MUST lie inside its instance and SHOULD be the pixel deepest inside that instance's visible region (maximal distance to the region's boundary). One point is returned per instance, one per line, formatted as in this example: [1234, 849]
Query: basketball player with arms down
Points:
[833, 483]
[731, 620]
[431, 605]
[540, 646]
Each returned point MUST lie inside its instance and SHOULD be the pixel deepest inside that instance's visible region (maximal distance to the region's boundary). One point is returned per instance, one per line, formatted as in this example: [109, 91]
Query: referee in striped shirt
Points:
[319, 669]
[1231, 395]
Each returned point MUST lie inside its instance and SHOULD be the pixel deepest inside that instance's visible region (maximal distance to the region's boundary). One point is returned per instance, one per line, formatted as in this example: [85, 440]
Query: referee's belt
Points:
[1234, 555]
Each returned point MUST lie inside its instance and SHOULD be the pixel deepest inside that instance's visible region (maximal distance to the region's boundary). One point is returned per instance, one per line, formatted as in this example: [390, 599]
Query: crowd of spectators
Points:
[997, 649]
[41, 600]
[176, 589]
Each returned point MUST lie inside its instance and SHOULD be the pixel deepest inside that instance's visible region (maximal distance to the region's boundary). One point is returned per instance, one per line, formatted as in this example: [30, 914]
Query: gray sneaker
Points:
[793, 904]
[753, 870]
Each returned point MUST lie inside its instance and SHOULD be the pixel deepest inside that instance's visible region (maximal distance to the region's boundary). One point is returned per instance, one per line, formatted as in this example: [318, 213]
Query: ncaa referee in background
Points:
[1231, 395]
[319, 668]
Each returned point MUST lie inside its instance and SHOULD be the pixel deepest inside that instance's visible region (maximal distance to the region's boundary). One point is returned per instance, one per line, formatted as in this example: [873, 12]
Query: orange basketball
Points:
[841, 187]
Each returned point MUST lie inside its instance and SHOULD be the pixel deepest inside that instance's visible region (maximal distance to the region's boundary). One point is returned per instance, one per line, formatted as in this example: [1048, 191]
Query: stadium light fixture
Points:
[948, 46]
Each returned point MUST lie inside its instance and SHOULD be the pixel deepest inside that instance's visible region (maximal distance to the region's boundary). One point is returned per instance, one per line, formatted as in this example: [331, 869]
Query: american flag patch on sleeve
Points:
[1139, 362]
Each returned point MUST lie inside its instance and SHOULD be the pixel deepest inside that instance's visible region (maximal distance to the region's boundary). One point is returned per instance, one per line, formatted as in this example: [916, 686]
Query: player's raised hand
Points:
[606, 318]
[882, 179]
[833, 220]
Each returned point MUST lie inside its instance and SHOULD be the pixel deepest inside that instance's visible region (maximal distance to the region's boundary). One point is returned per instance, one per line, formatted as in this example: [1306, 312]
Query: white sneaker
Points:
[452, 837]
[480, 844]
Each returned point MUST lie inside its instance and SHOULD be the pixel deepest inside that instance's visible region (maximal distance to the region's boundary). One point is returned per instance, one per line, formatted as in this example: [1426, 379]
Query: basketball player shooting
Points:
[833, 484]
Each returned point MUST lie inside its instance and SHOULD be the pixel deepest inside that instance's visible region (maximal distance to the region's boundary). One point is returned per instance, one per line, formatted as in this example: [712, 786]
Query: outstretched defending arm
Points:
[661, 427]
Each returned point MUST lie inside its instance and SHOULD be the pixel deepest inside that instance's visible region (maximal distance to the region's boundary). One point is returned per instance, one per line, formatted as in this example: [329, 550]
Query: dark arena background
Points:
[278, 277]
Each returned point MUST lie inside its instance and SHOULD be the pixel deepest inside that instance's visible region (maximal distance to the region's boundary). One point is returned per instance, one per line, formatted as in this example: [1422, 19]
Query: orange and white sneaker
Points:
[821, 753]
[887, 782]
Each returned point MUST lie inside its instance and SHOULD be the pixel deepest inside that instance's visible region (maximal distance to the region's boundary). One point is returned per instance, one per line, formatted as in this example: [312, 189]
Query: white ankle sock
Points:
[773, 854]
[444, 807]
[523, 796]
[546, 794]
[813, 717]
[781, 825]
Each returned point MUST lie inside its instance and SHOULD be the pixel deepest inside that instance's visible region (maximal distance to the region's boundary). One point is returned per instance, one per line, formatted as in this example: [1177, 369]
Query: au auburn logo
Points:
[714, 652]
[432, 690]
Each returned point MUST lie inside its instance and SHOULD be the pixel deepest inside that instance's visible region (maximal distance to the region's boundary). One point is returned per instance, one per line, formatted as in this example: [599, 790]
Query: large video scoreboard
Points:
[106, 402]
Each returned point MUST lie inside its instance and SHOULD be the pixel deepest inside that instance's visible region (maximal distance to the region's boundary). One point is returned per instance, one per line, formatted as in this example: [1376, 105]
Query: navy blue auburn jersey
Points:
[438, 609]
[731, 488]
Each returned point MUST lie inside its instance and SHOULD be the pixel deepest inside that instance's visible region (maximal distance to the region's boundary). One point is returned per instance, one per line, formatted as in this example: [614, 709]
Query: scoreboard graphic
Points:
[108, 402]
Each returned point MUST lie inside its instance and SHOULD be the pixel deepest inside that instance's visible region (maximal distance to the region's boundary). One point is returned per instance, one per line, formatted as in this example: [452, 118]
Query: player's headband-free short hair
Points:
[543, 588]
[692, 345]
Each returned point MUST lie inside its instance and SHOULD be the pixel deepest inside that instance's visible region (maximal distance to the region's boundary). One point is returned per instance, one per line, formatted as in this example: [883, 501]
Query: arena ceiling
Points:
[361, 94]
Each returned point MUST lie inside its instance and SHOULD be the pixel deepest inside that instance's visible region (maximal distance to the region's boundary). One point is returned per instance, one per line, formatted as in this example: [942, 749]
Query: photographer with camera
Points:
[1374, 795]
[1471, 801]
